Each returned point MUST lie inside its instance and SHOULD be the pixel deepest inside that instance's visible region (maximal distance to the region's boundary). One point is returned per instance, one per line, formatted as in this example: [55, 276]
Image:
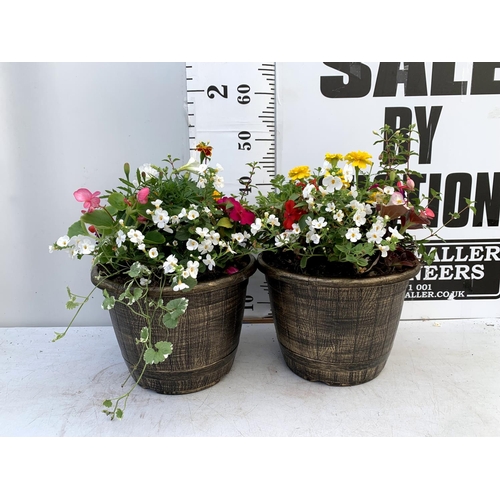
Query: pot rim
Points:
[224, 281]
[291, 277]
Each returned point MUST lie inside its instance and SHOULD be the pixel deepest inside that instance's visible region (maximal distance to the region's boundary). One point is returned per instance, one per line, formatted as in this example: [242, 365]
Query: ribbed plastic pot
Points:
[336, 331]
[204, 341]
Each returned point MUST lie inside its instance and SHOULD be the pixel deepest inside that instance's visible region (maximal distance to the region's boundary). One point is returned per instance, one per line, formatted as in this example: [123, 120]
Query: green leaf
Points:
[180, 305]
[154, 238]
[107, 403]
[174, 310]
[144, 334]
[135, 270]
[164, 348]
[77, 228]
[225, 222]
[303, 261]
[109, 301]
[117, 200]
[98, 218]
[152, 357]
[119, 413]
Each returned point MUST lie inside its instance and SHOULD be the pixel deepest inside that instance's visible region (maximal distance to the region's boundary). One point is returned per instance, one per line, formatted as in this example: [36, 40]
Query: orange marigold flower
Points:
[204, 148]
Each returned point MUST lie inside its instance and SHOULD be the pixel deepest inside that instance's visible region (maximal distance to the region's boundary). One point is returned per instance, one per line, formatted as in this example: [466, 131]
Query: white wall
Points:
[64, 126]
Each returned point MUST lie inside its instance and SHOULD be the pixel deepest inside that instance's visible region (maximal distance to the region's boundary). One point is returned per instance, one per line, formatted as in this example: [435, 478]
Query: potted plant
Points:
[171, 255]
[338, 255]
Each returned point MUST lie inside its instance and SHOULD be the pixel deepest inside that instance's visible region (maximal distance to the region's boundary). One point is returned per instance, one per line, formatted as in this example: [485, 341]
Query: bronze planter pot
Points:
[336, 331]
[204, 341]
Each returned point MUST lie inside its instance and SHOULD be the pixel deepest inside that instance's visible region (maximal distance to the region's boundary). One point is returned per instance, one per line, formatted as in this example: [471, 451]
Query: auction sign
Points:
[333, 107]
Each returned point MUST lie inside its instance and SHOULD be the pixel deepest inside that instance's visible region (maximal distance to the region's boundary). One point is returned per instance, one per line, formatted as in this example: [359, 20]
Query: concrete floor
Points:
[442, 379]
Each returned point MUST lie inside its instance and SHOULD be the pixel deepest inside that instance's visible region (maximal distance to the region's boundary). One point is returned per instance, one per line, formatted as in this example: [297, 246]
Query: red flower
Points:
[292, 214]
[237, 212]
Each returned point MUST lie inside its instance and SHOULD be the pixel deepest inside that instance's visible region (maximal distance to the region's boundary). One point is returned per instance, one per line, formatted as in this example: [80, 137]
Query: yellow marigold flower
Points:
[299, 172]
[332, 157]
[359, 159]
[216, 195]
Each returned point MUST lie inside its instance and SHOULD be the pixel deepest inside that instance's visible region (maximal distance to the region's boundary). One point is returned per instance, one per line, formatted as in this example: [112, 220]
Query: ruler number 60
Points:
[243, 89]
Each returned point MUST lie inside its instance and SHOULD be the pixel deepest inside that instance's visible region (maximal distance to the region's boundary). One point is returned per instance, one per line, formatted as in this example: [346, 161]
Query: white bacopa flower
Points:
[148, 170]
[312, 236]
[218, 167]
[209, 262]
[332, 183]
[388, 190]
[214, 237]
[330, 207]
[135, 236]
[308, 190]
[51, 248]
[383, 249]
[120, 238]
[202, 182]
[273, 220]
[157, 203]
[207, 210]
[191, 244]
[63, 241]
[193, 214]
[182, 213]
[219, 182]
[153, 253]
[192, 268]
[256, 226]
[86, 246]
[160, 218]
[318, 223]
[338, 216]
[353, 234]
[295, 228]
[395, 233]
[359, 218]
[169, 264]
[374, 236]
[179, 285]
[238, 237]
[379, 224]
[205, 246]
[141, 246]
[144, 281]
[203, 232]
[348, 172]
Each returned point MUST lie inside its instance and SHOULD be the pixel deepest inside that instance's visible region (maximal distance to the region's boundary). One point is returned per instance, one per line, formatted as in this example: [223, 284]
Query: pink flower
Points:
[142, 196]
[397, 199]
[232, 270]
[237, 212]
[90, 200]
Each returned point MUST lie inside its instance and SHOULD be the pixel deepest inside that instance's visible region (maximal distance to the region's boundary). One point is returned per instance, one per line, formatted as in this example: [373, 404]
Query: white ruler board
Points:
[314, 108]
[232, 106]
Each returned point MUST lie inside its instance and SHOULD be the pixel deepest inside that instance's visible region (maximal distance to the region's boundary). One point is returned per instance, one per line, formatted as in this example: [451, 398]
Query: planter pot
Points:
[336, 331]
[204, 341]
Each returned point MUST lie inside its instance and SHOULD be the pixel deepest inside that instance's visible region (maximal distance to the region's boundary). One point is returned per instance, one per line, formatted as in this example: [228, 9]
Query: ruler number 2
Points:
[242, 89]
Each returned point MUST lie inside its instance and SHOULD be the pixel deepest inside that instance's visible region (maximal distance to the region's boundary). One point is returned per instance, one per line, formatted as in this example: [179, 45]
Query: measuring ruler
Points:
[233, 106]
